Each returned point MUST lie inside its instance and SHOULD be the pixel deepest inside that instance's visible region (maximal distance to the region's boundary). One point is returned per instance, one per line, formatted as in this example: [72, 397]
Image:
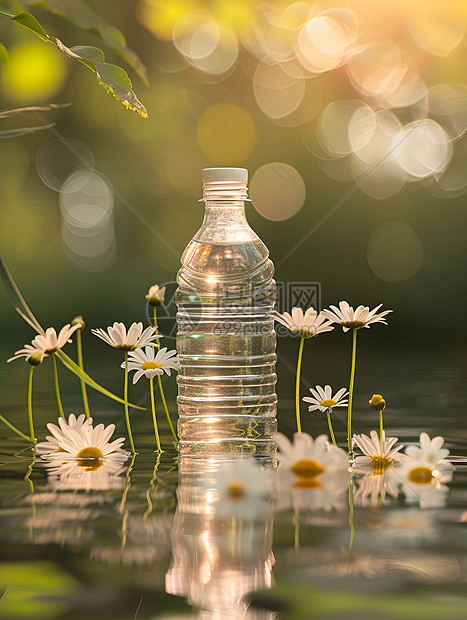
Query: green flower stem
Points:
[381, 428]
[15, 430]
[31, 424]
[125, 398]
[352, 380]
[57, 388]
[153, 407]
[330, 427]
[352, 528]
[164, 402]
[297, 384]
[84, 394]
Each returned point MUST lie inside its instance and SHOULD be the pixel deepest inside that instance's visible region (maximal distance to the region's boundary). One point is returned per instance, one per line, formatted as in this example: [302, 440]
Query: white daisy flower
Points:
[87, 444]
[150, 363]
[52, 442]
[50, 342]
[243, 489]
[425, 472]
[324, 400]
[156, 295]
[425, 464]
[118, 337]
[32, 354]
[306, 458]
[304, 325]
[349, 318]
[45, 344]
[429, 450]
[378, 456]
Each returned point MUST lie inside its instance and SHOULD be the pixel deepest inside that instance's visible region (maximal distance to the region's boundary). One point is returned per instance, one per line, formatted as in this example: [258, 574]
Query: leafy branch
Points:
[111, 77]
[82, 16]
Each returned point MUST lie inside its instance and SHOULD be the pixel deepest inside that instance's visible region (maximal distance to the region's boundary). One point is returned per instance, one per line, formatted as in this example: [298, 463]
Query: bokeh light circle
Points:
[277, 93]
[277, 191]
[34, 72]
[422, 148]
[226, 133]
[395, 252]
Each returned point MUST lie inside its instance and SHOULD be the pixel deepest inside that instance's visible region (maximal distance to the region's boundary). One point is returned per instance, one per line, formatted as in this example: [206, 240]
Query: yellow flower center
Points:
[60, 449]
[236, 490]
[380, 463]
[126, 347]
[90, 452]
[353, 324]
[421, 475]
[151, 365]
[328, 403]
[303, 332]
[306, 468]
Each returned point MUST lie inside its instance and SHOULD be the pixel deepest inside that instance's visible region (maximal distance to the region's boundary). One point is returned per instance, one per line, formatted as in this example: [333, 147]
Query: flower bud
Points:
[36, 357]
[156, 295]
[377, 402]
[78, 320]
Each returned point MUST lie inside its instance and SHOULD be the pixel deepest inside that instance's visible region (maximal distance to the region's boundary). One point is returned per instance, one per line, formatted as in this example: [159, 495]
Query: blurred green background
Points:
[101, 206]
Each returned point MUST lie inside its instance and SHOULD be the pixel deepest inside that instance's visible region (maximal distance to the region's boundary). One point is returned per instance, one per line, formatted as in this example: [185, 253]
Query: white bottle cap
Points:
[225, 174]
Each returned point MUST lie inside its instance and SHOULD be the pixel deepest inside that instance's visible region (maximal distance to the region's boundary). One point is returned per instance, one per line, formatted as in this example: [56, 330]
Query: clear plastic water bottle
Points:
[226, 339]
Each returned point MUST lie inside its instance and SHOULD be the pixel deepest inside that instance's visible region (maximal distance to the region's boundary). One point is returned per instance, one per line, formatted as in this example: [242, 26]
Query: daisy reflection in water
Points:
[243, 489]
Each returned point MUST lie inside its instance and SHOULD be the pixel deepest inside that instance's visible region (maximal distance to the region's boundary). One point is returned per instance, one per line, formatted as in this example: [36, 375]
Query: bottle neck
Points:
[224, 216]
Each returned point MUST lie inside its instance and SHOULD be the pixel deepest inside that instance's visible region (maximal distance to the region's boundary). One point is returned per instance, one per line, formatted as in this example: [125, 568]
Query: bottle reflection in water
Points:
[226, 339]
[217, 560]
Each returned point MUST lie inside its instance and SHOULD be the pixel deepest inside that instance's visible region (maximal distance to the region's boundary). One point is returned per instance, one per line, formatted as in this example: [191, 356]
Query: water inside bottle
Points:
[226, 344]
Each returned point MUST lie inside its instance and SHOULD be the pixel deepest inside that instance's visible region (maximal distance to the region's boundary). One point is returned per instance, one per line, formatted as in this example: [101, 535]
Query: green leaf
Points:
[3, 53]
[71, 365]
[22, 131]
[29, 21]
[82, 16]
[32, 108]
[114, 79]
[23, 309]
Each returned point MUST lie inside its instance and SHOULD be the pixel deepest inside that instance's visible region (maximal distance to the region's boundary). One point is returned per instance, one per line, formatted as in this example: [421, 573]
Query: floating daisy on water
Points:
[83, 443]
[309, 464]
[118, 337]
[52, 442]
[349, 318]
[377, 455]
[306, 325]
[425, 472]
[151, 363]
